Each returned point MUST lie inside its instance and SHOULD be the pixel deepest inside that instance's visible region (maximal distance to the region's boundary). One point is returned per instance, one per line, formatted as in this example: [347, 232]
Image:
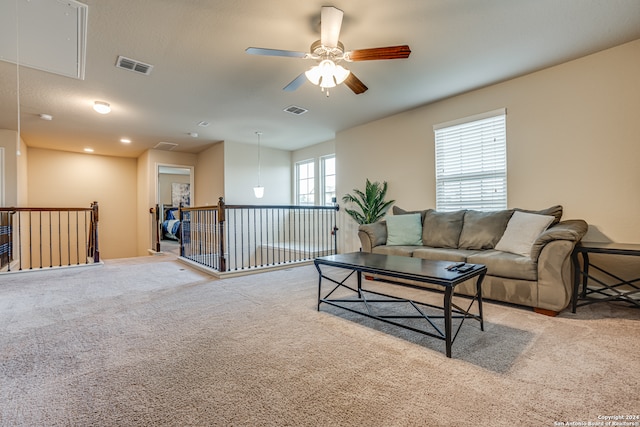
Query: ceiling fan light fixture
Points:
[327, 68]
[327, 74]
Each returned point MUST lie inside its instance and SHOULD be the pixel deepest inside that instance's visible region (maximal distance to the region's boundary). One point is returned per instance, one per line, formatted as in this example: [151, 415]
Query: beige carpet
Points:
[151, 342]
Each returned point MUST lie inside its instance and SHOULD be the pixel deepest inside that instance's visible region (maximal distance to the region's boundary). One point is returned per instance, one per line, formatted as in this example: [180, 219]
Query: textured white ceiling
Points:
[202, 73]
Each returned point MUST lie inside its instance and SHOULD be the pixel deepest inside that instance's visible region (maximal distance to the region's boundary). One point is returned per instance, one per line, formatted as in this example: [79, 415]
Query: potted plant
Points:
[371, 204]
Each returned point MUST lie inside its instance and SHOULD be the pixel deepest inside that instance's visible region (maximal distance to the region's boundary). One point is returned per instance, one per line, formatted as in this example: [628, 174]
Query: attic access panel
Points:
[51, 34]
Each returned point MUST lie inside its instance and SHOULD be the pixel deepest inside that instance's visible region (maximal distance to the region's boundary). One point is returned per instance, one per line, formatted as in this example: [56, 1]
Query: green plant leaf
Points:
[371, 206]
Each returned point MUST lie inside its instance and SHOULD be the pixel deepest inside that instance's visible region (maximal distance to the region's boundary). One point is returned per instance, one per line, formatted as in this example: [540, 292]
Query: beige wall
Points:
[209, 177]
[572, 138]
[22, 193]
[241, 174]
[63, 179]
[8, 141]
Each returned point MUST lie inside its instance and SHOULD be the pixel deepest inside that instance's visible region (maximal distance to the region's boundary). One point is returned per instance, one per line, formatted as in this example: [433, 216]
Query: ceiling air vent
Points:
[167, 146]
[295, 110]
[133, 65]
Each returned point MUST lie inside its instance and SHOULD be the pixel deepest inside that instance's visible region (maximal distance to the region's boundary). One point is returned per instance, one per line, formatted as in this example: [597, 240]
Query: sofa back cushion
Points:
[399, 211]
[482, 230]
[442, 229]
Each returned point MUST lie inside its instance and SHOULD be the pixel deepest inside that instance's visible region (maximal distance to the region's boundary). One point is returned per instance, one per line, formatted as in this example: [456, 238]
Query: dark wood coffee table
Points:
[419, 271]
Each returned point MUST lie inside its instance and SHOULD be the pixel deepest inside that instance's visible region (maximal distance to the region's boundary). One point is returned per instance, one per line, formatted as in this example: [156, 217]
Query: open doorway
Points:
[174, 187]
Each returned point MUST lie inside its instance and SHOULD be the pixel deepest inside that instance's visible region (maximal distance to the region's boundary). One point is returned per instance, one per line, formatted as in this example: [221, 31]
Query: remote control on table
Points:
[455, 266]
[465, 268]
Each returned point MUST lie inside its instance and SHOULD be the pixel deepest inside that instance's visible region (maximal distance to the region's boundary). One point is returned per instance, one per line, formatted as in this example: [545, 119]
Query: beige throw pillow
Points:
[522, 231]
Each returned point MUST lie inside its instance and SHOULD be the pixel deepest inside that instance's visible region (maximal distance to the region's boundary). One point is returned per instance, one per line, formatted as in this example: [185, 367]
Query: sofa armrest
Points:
[372, 235]
[572, 230]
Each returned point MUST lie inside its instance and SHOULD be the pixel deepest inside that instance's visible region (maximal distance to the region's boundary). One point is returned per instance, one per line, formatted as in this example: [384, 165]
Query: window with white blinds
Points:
[471, 163]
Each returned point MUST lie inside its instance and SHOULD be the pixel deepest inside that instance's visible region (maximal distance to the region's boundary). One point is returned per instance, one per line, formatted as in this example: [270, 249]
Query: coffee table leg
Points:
[319, 285]
[479, 291]
[359, 275]
[447, 319]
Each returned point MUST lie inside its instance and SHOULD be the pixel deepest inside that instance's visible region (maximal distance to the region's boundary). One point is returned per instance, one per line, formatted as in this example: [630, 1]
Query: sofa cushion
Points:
[442, 254]
[505, 264]
[399, 211]
[404, 230]
[482, 230]
[522, 230]
[554, 211]
[395, 250]
[442, 229]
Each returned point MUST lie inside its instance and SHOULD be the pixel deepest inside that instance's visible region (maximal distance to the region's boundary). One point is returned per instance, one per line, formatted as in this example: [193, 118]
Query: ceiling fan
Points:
[329, 52]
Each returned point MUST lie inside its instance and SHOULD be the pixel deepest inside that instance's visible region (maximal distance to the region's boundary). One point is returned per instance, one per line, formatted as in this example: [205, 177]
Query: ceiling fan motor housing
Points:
[321, 52]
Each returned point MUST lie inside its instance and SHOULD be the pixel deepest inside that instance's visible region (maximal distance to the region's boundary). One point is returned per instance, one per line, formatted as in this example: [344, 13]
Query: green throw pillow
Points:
[404, 230]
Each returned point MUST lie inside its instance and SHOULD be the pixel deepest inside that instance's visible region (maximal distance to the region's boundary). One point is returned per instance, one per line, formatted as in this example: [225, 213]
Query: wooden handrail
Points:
[46, 244]
[12, 209]
[218, 237]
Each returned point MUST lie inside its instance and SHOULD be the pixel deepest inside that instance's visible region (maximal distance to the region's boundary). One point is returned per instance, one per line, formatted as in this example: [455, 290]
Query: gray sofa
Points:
[540, 276]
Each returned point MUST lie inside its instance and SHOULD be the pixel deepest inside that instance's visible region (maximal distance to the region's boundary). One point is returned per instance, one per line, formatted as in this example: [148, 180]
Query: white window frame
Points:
[323, 178]
[313, 192]
[471, 162]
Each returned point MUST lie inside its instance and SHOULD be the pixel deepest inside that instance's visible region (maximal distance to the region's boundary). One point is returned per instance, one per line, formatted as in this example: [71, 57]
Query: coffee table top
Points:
[422, 270]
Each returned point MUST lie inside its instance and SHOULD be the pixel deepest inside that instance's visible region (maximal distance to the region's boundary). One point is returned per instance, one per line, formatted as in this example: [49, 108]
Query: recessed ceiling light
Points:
[125, 140]
[102, 107]
[203, 124]
[88, 150]
[193, 134]
[46, 116]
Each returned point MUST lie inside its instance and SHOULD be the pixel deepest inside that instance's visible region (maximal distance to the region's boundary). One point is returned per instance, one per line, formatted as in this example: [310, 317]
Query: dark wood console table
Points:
[621, 290]
[401, 267]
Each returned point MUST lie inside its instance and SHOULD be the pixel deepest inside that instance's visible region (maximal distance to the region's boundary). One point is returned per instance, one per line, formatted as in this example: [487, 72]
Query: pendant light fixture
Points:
[258, 190]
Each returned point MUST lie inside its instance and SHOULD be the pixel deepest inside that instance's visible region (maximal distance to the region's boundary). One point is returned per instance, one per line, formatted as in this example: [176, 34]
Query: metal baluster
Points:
[60, 237]
[77, 243]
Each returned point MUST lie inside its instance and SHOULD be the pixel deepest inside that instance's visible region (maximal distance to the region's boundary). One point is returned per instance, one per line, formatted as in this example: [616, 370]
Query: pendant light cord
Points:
[259, 134]
[18, 76]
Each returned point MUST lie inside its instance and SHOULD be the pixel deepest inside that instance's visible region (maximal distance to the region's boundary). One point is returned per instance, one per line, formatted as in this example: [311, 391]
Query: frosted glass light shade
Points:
[327, 74]
[102, 107]
[313, 75]
[341, 74]
[258, 190]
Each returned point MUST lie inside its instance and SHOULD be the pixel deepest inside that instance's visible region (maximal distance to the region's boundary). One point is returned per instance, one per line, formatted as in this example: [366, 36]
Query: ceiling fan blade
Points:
[330, 23]
[275, 52]
[355, 84]
[295, 83]
[390, 52]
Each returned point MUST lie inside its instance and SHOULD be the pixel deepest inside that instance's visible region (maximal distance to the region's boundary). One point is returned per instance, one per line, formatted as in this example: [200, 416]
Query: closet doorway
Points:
[175, 186]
